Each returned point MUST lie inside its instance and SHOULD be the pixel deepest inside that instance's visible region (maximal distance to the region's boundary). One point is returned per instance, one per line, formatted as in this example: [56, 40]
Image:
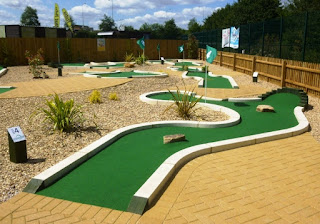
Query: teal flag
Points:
[180, 48]
[141, 43]
[158, 47]
[211, 54]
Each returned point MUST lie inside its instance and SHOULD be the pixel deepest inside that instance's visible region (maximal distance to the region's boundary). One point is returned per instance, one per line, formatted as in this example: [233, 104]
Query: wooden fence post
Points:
[253, 64]
[220, 58]
[234, 62]
[283, 73]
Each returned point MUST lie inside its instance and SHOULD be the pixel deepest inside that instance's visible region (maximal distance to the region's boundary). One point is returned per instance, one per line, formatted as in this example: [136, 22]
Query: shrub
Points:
[185, 67]
[113, 96]
[62, 115]
[204, 68]
[129, 58]
[95, 97]
[185, 102]
[35, 62]
[192, 47]
[141, 59]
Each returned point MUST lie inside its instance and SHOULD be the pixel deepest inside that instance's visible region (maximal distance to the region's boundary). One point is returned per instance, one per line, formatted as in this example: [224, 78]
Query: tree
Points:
[193, 26]
[29, 17]
[155, 29]
[171, 31]
[295, 6]
[72, 22]
[129, 28]
[107, 24]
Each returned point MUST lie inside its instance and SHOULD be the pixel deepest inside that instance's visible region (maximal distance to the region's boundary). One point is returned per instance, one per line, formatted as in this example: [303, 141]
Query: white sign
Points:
[225, 38]
[16, 134]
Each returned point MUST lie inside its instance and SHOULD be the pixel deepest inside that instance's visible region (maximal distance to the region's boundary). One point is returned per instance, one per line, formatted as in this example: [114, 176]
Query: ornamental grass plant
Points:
[95, 97]
[184, 102]
[64, 116]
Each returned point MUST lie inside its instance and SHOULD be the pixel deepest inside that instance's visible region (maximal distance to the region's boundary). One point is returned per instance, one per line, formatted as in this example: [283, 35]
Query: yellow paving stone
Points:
[134, 219]
[180, 220]
[71, 219]
[37, 216]
[31, 202]
[6, 209]
[124, 218]
[93, 210]
[25, 199]
[62, 206]
[17, 197]
[23, 213]
[81, 210]
[101, 215]
[112, 216]
[43, 202]
[85, 222]
[6, 220]
[20, 220]
[51, 218]
[71, 208]
[52, 204]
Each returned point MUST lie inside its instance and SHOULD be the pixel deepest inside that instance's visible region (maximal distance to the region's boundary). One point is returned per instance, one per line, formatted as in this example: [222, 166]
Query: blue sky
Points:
[125, 12]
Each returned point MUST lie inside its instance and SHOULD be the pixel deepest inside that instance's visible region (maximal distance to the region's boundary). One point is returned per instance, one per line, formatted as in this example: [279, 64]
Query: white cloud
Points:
[85, 13]
[8, 18]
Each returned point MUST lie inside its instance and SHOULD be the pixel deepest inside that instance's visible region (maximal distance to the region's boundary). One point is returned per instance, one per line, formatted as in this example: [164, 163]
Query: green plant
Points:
[204, 68]
[141, 59]
[35, 62]
[95, 97]
[5, 56]
[129, 58]
[63, 115]
[185, 102]
[192, 47]
[113, 96]
[185, 67]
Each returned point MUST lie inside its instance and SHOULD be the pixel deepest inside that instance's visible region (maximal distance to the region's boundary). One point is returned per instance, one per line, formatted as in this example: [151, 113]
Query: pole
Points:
[205, 83]
[159, 54]
[58, 46]
[143, 58]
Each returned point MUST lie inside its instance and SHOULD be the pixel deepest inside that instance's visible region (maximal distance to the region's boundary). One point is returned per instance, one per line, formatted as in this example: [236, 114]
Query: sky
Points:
[125, 12]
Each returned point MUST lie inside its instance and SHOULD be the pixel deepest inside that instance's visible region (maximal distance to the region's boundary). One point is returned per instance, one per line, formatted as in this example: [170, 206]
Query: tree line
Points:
[235, 14]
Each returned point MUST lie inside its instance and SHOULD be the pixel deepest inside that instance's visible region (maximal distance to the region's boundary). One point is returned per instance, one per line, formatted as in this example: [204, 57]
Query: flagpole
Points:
[205, 84]
[143, 58]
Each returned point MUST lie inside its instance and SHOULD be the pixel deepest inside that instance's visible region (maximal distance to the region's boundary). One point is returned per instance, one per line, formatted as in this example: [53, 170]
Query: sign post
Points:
[59, 66]
[17, 145]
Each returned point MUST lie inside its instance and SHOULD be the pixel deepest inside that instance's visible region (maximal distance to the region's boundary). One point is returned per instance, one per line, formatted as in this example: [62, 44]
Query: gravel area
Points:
[46, 147]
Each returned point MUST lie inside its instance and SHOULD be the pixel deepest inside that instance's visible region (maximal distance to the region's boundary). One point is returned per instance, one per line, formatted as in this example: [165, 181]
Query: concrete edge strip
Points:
[96, 74]
[6, 87]
[194, 63]
[58, 170]
[148, 192]
[3, 71]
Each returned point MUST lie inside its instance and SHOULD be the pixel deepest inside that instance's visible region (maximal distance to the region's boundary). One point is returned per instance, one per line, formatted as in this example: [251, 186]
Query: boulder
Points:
[265, 108]
[173, 138]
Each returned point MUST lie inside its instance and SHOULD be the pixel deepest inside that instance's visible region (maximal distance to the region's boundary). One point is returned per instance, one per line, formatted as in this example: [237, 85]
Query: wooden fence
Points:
[84, 49]
[285, 73]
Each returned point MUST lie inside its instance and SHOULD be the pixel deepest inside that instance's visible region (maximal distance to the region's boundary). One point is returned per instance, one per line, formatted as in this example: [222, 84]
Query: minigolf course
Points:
[129, 166]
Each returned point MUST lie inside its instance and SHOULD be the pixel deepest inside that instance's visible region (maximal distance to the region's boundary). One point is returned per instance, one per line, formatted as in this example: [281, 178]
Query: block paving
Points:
[274, 182]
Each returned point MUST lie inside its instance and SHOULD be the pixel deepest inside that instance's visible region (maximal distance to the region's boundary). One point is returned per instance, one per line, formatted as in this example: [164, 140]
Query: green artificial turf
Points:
[3, 90]
[111, 178]
[213, 82]
[183, 63]
[1, 67]
[73, 64]
[102, 66]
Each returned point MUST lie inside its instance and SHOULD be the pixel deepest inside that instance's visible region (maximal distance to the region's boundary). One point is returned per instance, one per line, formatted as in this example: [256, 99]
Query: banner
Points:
[101, 44]
[234, 40]
[56, 17]
[225, 38]
[180, 48]
[67, 18]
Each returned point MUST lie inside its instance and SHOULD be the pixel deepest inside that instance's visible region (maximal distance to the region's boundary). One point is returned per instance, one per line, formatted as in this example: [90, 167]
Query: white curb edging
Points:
[3, 71]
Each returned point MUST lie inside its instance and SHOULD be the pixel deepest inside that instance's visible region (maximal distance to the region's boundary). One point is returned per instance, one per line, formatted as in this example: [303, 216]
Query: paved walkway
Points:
[274, 182]
[61, 85]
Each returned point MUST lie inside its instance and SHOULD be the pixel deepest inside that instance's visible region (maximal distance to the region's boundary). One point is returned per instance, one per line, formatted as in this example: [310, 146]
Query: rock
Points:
[265, 108]
[129, 65]
[173, 138]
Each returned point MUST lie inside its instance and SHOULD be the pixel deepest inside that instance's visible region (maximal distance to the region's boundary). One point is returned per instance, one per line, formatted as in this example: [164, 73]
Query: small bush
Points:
[141, 59]
[185, 102]
[204, 68]
[35, 62]
[128, 65]
[95, 97]
[62, 115]
[185, 67]
[129, 58]
[113, 96]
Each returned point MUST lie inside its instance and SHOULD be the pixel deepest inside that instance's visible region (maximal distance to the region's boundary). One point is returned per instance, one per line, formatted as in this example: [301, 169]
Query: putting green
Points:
[111, 178]
[3, 90]
[1, 67]
[184, 63]
[73, 64]
[213, 82]
[102, 66]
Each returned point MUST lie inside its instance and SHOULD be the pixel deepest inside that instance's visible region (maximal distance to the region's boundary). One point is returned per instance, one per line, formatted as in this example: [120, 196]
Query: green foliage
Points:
[113, 96]
[107, 24]
[129, 58]
[29, 17]
[72, 23]
[141, 59]
[129, 28]
[64, 116]
[95, 97]
[204, 68]
[193, 26]
[5, 56]
[171, 31]
[192, 47]
[167, 31]
[35, 62]
[185, 67]
[85, 34]
[185, 102]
